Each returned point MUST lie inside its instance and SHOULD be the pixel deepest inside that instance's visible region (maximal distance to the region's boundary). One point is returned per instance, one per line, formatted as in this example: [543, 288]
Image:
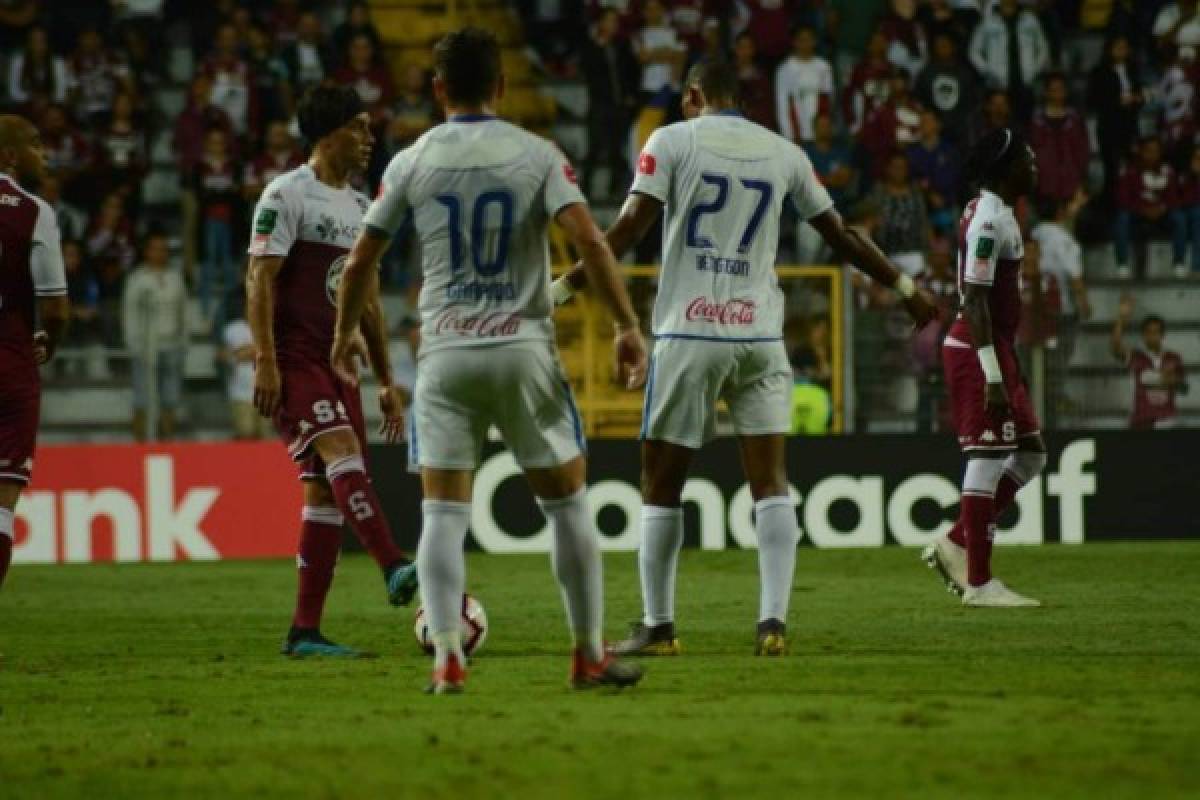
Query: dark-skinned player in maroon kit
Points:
[304, 224]
[33, 310]
[998, 429]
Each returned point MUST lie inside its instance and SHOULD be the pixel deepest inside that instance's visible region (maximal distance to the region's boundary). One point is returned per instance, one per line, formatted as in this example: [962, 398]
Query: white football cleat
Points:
[995, 594]
[949, 561]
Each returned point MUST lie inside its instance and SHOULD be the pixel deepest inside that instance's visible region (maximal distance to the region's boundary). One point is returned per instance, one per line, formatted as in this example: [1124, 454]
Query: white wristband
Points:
[561, 291]
[904, 286]
[991, 366]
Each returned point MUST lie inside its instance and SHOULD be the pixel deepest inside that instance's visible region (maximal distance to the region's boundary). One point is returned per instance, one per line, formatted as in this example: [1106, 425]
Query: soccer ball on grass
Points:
[474, 627]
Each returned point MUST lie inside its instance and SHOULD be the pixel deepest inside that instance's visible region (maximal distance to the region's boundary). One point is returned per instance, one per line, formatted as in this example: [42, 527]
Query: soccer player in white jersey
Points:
[718, 325]
[482, 193]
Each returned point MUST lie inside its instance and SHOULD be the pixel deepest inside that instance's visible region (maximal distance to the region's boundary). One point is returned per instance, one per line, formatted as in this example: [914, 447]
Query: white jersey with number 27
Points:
[481, 193]
[723, 180]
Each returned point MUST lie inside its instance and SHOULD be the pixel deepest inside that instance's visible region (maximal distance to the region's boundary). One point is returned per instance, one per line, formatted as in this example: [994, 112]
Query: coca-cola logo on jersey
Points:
[733, 312]
[501, 323]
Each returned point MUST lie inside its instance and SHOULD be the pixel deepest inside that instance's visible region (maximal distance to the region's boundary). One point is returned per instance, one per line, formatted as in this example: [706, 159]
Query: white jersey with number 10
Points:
[723, 180]
[481, 193]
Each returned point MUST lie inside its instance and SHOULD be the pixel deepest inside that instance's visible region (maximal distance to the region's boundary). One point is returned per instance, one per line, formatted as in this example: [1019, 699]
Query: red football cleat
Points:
[607, 672]
[450, 679]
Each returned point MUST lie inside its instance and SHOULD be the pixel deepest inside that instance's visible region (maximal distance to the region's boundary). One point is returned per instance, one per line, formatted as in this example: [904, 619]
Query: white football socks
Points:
[575, 555]
[778, 534]
[441, 570]
[658, 559]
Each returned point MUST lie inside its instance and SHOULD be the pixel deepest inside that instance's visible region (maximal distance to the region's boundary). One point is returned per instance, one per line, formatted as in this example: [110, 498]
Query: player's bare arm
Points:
[634, 222]
[850, 245]
[600, 268]
[392, 399]
[260, 314]
[978, 315]
[53, 314]
[354, 295]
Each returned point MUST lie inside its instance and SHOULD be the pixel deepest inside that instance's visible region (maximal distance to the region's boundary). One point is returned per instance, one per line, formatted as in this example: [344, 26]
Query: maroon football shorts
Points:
[979, 429]
[315, 401]
[20, 403]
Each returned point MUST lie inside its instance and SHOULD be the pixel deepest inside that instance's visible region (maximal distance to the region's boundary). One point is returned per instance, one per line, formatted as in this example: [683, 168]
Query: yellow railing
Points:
[585, 343]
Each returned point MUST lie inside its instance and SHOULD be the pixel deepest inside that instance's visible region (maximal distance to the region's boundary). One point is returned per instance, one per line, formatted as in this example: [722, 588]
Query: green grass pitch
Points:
[164, 681]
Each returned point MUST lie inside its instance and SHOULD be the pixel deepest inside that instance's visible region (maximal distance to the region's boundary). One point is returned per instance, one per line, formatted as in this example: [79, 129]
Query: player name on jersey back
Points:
[481, 193]
[723, 181]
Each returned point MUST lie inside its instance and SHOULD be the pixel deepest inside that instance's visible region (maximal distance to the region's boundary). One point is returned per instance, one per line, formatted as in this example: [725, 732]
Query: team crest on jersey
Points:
[333, 279]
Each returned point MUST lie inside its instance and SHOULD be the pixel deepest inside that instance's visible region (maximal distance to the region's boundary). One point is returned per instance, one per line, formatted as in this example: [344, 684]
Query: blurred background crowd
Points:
[164, 119]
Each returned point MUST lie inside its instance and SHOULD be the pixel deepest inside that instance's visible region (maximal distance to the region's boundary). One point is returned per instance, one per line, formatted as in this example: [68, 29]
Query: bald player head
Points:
[21, 152]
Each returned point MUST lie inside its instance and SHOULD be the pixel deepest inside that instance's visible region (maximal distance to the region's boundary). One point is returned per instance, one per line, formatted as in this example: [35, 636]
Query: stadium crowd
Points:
[882, 94]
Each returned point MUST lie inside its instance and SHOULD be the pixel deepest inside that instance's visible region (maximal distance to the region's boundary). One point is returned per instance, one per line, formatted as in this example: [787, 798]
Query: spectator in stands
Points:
[83, 294]
[121, 154]
[279, 155]
[154, 319]
[357, 23]
[36, 76]
[950, 87]
[611, 72]
[1059, 138]
[1177, 25]
[1148, 206]
[938, 18]
[72, 222]
[661, 54]
[1040, 306]
[834, 165]
[1115, 96]
[1189, 203]
[892, 127]
[903, 232]
[869, 84]
[68, 154]
[995, 114]
[754, 84]
[217, 196]
[110, 254]
[307, 59]
[689, 20]
[99, 74]
[1062, 258]
[1010, 51]
[812, 359]
[1177, 97]
[935, 166]
[769, 23]
[16, 17]
[907, 48]
[231, 80]
[1158, 373]
[284, 20]
[366, 73]
[938, 279]
[272, 95]
[554, 29]
[238, 353]
[803, 87]
[413, 112]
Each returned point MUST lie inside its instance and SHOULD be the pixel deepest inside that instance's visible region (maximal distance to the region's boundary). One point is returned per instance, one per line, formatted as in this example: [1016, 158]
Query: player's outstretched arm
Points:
[635, 220]
[978, 315]
[260, 315]
[600, 268]
[354, 295]
[850, 245]
[53, 315]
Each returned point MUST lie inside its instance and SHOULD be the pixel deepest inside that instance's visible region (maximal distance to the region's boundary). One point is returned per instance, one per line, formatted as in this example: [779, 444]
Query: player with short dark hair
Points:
[33, 310]
[304, 225]
[718, 325]
[481, 194]
[998, 429]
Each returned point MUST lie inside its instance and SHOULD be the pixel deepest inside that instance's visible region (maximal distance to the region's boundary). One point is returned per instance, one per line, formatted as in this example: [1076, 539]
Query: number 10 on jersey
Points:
[487, 261]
